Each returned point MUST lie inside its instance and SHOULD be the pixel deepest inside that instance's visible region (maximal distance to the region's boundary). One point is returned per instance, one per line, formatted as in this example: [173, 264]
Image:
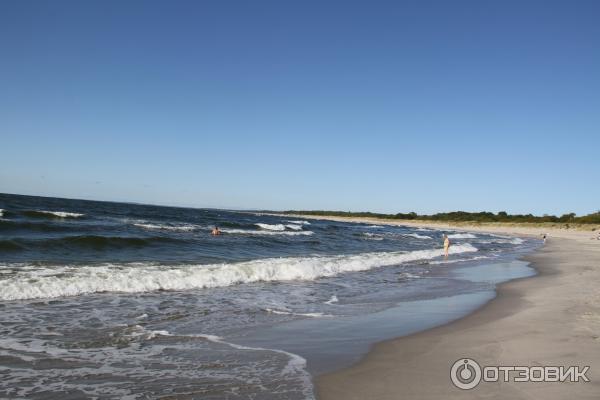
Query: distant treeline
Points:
[463, 216]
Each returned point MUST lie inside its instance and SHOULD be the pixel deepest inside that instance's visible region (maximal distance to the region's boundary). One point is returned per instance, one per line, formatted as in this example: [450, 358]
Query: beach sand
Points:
[552, 319]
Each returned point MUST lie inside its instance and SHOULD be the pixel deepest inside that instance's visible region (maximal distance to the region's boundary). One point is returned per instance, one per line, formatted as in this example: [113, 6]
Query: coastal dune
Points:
[552, 319]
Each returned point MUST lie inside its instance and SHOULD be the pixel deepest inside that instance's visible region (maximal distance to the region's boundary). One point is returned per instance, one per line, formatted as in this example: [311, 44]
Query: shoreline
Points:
[507, 228]
[528, 322]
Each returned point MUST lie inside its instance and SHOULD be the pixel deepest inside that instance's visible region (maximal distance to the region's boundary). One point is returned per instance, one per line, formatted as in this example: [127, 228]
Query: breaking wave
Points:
[51, 214]
[183, 228]
[255, 232]
[271, 227]
[36, 282]
[294, 227]
[417, 236]
[462, 236]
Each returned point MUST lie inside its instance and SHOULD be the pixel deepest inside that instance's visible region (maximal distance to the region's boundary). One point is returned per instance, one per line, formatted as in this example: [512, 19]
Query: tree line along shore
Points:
[462, 216]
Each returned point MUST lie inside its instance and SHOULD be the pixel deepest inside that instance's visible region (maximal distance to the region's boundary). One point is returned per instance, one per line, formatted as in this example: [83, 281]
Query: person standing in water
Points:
[216, 231]
[446, 245]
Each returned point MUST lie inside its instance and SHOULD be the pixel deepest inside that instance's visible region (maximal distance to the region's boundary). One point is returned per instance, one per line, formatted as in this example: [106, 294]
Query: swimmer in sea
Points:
[216, 231]
[446, 245]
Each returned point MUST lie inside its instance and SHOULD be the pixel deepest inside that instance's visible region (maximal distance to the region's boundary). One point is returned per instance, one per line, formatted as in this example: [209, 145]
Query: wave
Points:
[282, 312]
[295, 366]
[373, 236]
[181, 228]
[457, 260]
[51, 214]
[299, 222]
[1, 212]
[93, 242]
[271, 227]
[14, 225]
[381, 236]
[10, 245]
[462, 236]
[417, 236]
[408, 275]
[294, 227]
[255, 232]
[61, 281]
[504, 239]
[332, 300]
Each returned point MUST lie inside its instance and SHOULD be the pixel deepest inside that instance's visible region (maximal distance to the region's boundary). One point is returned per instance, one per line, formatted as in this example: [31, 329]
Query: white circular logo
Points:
[465, 373]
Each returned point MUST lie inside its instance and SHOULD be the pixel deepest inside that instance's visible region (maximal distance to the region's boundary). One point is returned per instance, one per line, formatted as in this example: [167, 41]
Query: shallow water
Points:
[116, 300]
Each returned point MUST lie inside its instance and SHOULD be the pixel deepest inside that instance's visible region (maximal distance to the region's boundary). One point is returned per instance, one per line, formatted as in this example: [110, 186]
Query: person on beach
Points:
[544, 238]
[216, 231]
[446, 245]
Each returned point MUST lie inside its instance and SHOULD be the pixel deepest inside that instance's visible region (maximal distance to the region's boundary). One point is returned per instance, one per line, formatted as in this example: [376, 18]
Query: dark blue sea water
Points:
[116, 300]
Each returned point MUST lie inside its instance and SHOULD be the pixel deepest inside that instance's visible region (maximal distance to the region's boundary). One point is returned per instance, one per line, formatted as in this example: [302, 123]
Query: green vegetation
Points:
[462, 216]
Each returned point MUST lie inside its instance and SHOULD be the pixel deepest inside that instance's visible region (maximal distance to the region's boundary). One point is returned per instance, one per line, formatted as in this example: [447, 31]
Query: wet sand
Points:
[551, 319]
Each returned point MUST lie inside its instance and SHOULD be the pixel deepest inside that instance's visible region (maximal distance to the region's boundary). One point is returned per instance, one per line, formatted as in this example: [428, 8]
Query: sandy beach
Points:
[552, 319]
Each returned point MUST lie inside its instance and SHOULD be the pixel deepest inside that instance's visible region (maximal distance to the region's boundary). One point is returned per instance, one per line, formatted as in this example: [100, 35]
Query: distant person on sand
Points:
[544, 237]
[446, 245]
[216, 231]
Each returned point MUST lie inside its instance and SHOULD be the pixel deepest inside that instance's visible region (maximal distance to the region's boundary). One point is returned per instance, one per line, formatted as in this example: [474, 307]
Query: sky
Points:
[400, 106]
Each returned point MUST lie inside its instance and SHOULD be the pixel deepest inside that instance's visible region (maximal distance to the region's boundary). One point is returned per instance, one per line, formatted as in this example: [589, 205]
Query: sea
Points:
[107, 300]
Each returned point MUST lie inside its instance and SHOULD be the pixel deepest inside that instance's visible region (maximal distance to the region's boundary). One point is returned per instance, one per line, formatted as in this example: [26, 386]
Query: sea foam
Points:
[61, 214]
[271, 227]
[417, 236]
[35, 282]
[294, 227]
[184, 228]
[267, 232]
[462, 236]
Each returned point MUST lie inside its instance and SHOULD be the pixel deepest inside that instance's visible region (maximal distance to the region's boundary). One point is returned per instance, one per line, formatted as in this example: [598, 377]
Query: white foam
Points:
[1, 212]
[456, 260]
[417, 236]
[295, 366]
[332, 300]
[36, 282]
[62, 214]
[294, 227]
[271, 227]
[299, 222]
[139, 331]
[251, 232]
[505, 241]
[283, 312]
[185, 228]
[408, 275]
[462, 236]
[373, 236]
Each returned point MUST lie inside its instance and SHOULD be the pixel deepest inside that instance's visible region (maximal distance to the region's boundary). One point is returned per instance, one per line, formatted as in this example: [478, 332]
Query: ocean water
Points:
[128, 301]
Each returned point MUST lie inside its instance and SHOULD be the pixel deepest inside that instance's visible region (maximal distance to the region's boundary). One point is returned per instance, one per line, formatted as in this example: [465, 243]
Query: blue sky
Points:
[381, 106]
